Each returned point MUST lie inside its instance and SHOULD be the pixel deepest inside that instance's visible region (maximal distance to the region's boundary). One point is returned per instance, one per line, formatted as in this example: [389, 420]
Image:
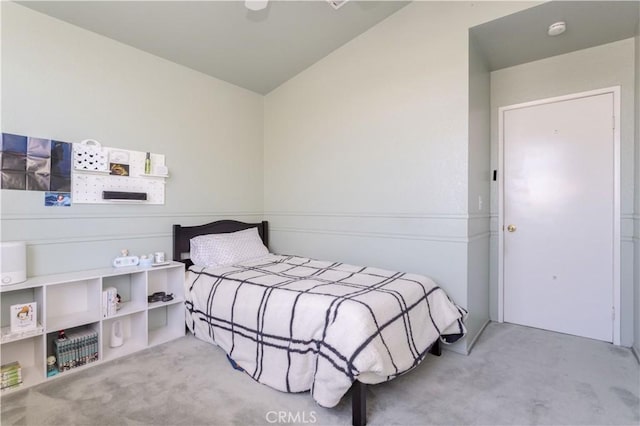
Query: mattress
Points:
[299, 324]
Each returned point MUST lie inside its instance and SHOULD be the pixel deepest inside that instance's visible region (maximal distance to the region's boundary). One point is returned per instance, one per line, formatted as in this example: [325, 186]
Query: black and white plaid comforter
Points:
[297, 324]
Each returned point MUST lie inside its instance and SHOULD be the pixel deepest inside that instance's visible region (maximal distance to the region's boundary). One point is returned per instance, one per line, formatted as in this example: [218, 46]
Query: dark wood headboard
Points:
[183, 234]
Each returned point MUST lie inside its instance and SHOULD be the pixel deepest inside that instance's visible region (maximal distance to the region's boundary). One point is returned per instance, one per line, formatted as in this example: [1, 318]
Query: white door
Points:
[558, 216]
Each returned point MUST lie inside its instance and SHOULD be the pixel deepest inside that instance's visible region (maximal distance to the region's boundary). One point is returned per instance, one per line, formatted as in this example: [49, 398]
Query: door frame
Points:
[616, 196]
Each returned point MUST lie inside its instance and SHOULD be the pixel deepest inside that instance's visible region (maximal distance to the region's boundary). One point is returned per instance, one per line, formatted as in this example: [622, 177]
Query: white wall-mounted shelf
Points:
[150, 175]
[89, 180]
[93, 172]
[68, 301]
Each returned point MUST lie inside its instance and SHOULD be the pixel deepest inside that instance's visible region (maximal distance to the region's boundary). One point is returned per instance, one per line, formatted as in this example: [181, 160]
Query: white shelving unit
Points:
[68, 301]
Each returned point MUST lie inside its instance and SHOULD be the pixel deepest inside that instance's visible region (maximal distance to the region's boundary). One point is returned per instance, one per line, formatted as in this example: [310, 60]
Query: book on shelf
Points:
[14, 385]
[23, 316]
[11, 372]
[78, 348]
[5, 385]
[109, 302]
[12, 379]
[9, 367]
[11, 375]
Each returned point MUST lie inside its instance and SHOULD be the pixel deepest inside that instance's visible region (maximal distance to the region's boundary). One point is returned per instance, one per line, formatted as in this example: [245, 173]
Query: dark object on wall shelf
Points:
[160, 296]
[118, 195]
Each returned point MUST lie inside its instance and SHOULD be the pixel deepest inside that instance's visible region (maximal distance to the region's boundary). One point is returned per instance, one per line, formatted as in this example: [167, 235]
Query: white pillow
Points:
[225, 249]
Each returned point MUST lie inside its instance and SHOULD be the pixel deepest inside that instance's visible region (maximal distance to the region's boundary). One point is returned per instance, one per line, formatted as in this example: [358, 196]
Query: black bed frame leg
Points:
[359, 393]
[359, 404]
[435, 348]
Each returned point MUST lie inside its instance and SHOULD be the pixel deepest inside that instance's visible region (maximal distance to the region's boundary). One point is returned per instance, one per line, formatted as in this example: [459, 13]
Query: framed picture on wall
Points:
[57, 199]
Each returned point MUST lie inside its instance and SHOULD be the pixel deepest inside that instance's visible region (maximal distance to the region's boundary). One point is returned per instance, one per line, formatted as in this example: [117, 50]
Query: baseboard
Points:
[475, 339]
[635, 353]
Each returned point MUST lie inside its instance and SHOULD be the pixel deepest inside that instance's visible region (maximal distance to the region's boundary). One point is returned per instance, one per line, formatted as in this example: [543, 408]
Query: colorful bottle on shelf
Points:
[147, 164]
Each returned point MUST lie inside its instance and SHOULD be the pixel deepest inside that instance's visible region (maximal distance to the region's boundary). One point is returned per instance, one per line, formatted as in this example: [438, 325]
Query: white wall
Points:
[598, 67]
[65, 83]
[479, 187]
[637, 195]
[367, 151]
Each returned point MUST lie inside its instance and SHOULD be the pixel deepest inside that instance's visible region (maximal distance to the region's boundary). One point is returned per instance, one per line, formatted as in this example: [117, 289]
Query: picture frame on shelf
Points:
[24, 317]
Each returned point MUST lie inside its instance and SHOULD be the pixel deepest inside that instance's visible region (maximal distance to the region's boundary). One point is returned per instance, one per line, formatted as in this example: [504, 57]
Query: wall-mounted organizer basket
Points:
[98, 170]
[89, 155]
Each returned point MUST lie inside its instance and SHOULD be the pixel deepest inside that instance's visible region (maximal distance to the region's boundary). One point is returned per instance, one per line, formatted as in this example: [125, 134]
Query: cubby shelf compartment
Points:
[67, 301]
[79, 349]
[166, 323]
[132, 290]
[133, 328]
[27, 352]
[169, 280]
[72, 304]
[19, 296]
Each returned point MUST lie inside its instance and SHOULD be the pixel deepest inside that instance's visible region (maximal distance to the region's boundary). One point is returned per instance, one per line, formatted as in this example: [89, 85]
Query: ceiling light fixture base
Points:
[557, 28]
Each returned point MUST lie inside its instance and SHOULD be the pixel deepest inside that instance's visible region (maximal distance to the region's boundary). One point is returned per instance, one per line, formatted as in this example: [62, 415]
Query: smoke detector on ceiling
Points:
[256, 4]
[337, 4]
[557, 28]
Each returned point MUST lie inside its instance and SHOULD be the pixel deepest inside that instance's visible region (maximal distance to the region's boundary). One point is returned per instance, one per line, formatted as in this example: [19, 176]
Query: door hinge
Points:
[613, 125]
[613, 313]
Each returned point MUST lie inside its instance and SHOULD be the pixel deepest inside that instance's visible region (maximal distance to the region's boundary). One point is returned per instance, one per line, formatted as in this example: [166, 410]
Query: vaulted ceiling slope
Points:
[258, 50]
[522, 37]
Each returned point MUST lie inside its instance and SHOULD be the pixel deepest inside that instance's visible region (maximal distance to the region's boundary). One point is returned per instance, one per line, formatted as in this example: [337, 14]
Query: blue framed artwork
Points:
[57, 199]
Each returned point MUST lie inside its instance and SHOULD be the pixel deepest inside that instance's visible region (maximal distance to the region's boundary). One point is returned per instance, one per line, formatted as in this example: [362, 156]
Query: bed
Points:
[299, 324]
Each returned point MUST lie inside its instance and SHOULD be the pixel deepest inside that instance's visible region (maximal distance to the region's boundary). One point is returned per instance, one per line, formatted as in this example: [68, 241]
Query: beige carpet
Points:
[514, 376]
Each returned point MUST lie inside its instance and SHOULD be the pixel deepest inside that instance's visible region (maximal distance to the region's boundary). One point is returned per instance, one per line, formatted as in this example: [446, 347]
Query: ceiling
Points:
[522, 37]
[258, 50]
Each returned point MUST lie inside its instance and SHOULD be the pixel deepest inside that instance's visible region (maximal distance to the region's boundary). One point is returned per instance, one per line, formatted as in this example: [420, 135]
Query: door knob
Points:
[511, 228]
